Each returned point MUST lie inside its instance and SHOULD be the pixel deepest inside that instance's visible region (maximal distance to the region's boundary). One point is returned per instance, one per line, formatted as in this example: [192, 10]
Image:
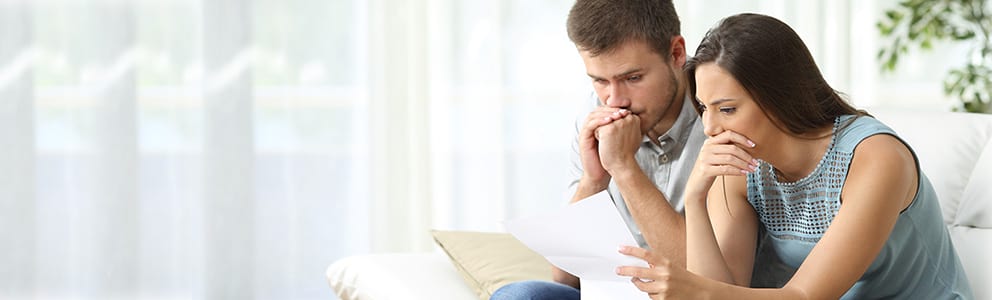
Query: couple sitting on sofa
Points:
[779, 178]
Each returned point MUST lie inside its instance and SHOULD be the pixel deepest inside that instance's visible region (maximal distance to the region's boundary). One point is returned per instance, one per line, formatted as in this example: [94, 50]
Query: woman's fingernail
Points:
[606, 119]
[754, 161]
[743, 171]
[750, 143]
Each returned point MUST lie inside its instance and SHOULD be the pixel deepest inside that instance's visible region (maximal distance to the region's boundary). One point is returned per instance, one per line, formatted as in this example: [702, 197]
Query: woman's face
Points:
[728, 106]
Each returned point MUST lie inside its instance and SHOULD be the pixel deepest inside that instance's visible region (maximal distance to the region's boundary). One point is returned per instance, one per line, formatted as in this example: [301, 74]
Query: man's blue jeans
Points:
[535, 290]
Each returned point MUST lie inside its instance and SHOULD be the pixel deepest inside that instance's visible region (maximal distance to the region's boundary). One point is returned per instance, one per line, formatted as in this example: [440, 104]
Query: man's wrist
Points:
[588, 187]
[594, 183]
[625, 170]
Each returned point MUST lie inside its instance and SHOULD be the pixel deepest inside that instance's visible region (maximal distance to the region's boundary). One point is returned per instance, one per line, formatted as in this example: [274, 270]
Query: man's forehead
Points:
[616, 66]
[614, 73]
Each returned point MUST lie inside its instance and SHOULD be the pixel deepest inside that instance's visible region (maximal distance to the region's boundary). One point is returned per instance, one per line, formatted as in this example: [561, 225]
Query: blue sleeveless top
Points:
[917, 261]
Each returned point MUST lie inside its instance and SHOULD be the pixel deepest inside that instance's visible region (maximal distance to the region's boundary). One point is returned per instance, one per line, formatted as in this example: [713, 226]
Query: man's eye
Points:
[728, 110]
[634, 78]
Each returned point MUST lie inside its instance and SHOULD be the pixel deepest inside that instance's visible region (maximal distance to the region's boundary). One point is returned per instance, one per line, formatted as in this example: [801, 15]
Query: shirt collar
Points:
[675, 138]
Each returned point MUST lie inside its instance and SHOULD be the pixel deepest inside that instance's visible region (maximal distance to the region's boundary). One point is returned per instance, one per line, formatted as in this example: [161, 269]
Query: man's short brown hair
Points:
[600, 26]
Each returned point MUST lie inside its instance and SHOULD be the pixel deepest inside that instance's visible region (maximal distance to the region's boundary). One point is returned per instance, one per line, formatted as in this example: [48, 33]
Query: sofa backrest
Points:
[955, 152]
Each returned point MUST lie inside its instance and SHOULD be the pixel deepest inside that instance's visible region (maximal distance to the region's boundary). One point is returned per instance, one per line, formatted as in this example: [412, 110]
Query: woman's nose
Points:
[711, 127]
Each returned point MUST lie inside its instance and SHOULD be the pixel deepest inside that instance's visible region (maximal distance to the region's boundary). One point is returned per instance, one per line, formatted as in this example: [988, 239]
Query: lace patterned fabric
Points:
[800, 210]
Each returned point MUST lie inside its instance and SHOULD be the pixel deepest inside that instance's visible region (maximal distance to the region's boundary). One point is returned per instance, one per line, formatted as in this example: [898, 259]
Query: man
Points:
[642, 138]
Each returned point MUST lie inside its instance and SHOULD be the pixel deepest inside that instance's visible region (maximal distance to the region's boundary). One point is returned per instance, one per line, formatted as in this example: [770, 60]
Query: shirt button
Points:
[663, 158]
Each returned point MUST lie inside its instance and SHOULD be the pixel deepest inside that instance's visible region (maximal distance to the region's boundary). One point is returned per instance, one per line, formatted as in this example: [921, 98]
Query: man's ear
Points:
[677, 51]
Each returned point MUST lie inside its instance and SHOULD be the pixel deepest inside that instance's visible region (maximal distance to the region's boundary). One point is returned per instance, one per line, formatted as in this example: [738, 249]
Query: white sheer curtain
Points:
[471, 113]
[179, 149]
[231, 149]
[507, 86]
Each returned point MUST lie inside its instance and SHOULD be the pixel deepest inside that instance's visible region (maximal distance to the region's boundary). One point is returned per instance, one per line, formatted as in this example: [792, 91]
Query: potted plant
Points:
[921, 23]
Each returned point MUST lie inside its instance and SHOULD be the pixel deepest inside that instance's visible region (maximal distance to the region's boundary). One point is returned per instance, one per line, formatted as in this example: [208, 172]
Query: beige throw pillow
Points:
[488, 261]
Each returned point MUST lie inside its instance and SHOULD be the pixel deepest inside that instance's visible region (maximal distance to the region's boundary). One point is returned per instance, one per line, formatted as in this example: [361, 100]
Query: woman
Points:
[841, 196]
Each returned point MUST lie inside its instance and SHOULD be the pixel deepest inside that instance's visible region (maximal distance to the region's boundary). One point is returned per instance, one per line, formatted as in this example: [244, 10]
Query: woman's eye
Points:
[728, 110]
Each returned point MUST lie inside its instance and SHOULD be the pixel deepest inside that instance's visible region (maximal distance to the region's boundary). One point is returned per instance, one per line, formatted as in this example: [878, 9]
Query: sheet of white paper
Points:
[581, 238]
[610, 290]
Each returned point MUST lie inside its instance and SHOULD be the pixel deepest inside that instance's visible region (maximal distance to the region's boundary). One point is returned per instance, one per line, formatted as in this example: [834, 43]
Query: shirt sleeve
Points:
[575, 171]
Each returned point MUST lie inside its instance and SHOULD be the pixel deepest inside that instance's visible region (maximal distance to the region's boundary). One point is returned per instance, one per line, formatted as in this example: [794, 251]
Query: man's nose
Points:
[618, 97]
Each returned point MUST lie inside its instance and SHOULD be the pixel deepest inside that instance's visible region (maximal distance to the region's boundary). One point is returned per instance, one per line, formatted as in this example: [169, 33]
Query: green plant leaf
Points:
[923, 23]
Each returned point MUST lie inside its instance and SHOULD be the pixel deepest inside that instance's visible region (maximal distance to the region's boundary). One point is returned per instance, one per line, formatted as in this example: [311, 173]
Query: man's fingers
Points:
[608, 113]
[610, 109]
[594, 122]
[603, 115]
[620, 113]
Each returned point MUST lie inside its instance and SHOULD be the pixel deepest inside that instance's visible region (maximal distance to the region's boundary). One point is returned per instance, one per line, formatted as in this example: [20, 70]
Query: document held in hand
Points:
[582, 239]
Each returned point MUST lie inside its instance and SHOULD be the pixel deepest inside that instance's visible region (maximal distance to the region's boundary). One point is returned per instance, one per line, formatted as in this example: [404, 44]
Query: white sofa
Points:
[955, 151]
